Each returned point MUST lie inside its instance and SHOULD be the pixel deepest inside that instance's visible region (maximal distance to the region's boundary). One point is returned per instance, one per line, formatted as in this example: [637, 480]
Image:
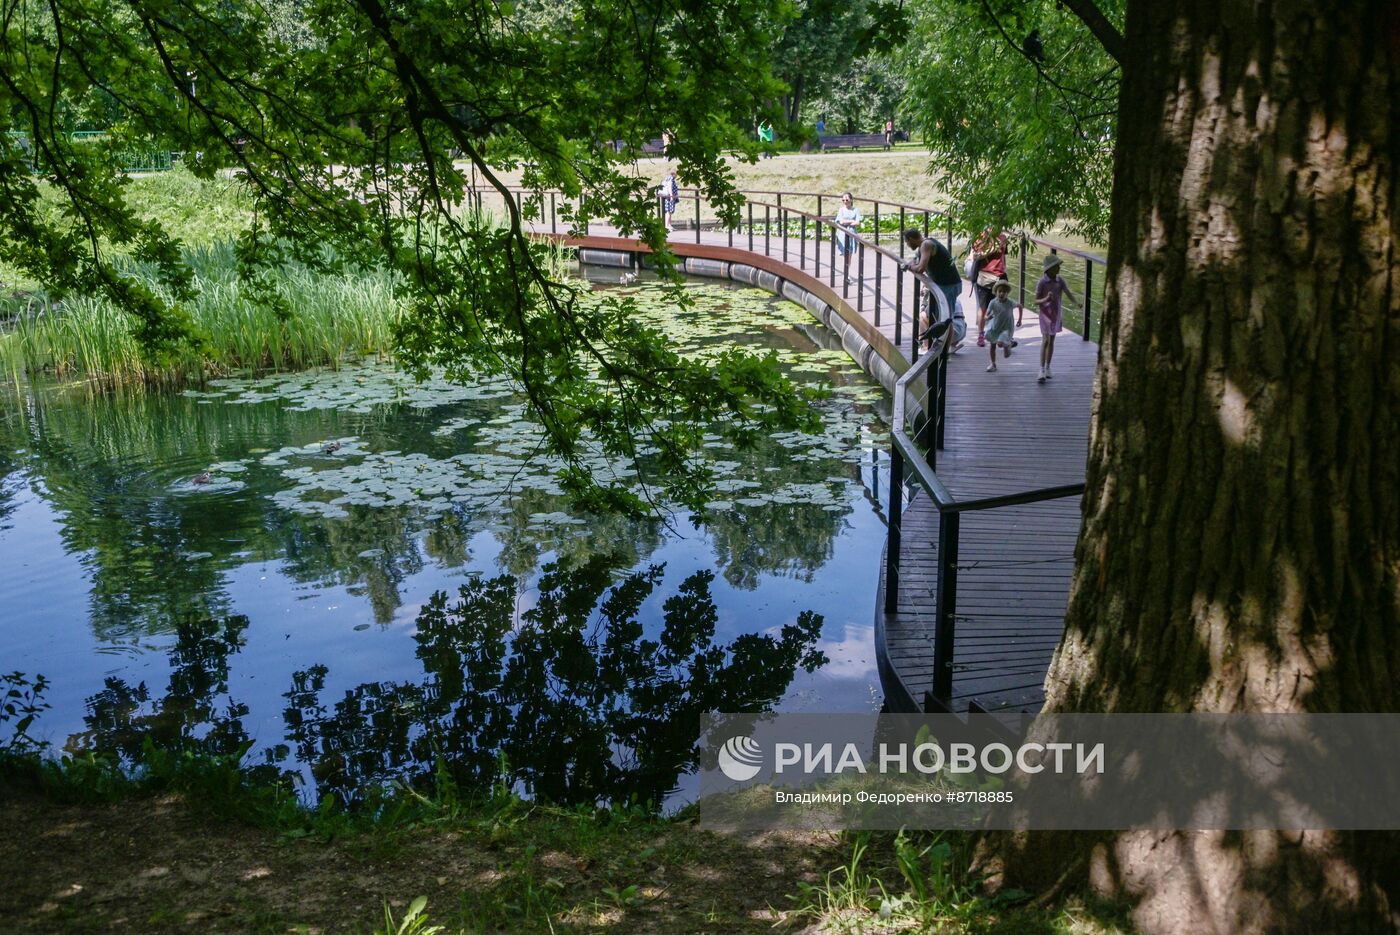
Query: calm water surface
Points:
[287, 604]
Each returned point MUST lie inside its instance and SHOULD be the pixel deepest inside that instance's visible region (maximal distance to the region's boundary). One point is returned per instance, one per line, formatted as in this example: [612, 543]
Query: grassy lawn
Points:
[157, 864]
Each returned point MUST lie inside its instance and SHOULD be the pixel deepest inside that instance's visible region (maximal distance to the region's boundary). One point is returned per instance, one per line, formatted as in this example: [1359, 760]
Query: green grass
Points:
[919, 882]
[490, 861]
[199, 212]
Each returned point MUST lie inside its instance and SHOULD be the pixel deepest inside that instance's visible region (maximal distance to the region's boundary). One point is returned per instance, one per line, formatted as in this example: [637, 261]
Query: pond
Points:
[361, 578]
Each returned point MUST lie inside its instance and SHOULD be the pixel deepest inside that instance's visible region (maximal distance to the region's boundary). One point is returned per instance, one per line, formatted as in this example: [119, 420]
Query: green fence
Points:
[141, 157]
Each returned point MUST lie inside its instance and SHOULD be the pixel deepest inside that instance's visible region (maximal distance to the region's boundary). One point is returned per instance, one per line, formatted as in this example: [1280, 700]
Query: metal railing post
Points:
[877, 223]
[945, 604]
[767, 230]
[950, 233]
[941, 402]
[892, 531]
[898, 301]
[899, 317]
[553, 215]
[831, 261]
[782, 227]
[879, 275]
[802, 243]
[697, 215]
[1088, 295]
[914, 327]
[860, 273]
[900, 238]
[1025, 255]
[751, 227]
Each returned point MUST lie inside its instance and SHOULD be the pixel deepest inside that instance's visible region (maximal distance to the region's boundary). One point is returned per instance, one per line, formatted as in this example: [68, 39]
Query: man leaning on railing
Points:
[933, 260]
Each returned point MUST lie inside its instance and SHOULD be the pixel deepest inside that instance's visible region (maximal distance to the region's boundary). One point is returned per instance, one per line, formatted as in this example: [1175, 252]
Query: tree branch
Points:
[1104, 31]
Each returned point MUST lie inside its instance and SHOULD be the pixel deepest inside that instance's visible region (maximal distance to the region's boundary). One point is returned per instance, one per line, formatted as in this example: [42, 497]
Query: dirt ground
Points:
[153, 866]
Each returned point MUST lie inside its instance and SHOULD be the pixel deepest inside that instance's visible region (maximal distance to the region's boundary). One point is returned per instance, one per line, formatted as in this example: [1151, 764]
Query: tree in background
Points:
[828, 48]
[860, 101]
[816, 48]
[1021, 133]
[1240, 549]
[363, 128]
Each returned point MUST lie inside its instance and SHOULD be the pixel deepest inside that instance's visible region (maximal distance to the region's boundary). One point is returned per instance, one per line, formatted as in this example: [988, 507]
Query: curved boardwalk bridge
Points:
[986, 468]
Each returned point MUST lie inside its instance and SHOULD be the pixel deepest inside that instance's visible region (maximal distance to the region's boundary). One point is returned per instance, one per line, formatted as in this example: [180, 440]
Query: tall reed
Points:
[333, 315]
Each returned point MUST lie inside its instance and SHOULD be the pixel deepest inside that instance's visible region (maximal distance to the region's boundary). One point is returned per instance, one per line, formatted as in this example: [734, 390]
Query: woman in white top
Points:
[670, 195]
[847, 219]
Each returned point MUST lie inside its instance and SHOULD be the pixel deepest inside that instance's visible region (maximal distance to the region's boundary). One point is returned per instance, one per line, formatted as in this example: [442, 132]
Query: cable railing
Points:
[805, 239]
[694, 217]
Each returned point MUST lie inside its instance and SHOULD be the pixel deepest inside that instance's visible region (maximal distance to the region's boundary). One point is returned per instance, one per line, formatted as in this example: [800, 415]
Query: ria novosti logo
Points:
[740, 758]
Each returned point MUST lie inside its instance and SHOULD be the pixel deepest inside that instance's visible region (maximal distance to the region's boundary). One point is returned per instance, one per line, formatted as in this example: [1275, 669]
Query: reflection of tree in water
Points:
[196, 713]
[10, 484]
[117, 467]
[524, 544]
[371, 554]
[107, 462]
[790, 539]
[784, 539]
[135, 541]
[573, 698]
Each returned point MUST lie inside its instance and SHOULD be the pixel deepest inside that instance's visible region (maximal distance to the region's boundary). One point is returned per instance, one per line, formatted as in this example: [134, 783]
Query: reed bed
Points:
[334, 316]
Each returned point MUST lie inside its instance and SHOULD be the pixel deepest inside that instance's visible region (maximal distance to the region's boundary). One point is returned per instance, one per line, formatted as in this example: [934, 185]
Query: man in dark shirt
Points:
[933, 260]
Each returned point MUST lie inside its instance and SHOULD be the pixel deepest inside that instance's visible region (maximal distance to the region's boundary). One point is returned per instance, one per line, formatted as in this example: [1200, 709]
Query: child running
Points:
[1001, 326]
[1047, 297]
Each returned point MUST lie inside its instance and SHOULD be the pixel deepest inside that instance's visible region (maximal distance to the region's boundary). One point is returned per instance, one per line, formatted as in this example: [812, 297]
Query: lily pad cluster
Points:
[361, 388]
[505, 461]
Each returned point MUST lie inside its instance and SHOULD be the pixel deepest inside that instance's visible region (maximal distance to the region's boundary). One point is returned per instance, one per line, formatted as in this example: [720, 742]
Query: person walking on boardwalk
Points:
[1001, 325]
[847, 220]
[933, 260]
[670, 195]
[1047, 298]
[889, 133]
[989, 253]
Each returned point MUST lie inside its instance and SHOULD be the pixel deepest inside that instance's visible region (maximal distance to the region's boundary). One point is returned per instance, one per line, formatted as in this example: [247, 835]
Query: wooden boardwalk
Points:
[1004, 433]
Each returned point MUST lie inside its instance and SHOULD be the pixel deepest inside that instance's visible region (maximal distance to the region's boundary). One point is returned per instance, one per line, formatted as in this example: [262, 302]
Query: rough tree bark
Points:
[1240, 550]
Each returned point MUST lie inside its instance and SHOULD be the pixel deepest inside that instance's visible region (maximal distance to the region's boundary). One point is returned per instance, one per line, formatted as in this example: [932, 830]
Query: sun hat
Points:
[1003, 281]
[1050, 262]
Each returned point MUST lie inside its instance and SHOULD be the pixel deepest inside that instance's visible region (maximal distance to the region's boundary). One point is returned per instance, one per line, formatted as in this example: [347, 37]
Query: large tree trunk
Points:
[1241, 542]
[792, 103]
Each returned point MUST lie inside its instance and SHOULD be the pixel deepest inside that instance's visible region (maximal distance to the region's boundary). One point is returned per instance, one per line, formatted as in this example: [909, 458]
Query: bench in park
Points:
[852, 140]
[649, 148]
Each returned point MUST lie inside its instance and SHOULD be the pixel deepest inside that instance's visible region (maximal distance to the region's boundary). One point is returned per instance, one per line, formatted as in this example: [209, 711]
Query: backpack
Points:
[972, 267]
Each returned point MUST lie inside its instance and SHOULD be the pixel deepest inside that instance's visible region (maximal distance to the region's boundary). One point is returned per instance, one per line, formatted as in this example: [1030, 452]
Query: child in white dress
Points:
[1001, 322]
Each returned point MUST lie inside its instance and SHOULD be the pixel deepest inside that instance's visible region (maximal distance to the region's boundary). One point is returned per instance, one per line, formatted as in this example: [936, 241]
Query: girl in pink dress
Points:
[1047, 299]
